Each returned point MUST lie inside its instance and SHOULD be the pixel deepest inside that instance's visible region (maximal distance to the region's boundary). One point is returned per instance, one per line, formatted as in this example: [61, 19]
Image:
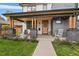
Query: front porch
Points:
[41, 24]
[46, 22]
[47, 25]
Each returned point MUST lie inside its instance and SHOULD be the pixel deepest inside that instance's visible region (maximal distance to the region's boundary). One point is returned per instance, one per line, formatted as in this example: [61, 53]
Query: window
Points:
[62, 5]
[33, 8]
[29, 24]
[29, 9]
[52, 6]
[44, 6]
[78, 18]
[77, 22]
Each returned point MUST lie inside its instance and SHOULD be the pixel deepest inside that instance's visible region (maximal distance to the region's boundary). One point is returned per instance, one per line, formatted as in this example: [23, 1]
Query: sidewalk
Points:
[44, 48]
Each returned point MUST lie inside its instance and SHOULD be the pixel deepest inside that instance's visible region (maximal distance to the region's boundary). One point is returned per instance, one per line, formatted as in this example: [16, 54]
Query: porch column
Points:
[32, 23]
[11, 22]
[49, 26]
[35, 23]
[24, 27]
[70, 22]
[74, 22]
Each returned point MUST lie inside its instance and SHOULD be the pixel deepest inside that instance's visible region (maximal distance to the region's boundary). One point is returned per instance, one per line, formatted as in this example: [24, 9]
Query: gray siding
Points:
[69, 34]
[73, 35]
[62, 25]
[63, 5]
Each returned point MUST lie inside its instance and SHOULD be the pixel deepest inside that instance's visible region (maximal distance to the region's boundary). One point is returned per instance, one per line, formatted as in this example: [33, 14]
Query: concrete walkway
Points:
[44, 47]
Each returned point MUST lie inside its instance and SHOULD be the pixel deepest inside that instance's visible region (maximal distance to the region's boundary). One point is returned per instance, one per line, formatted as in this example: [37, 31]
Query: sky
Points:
[4, 7]
[10, 6]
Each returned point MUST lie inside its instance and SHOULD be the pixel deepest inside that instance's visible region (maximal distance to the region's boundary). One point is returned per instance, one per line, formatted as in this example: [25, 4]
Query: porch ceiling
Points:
[25, 16]
[37, 18]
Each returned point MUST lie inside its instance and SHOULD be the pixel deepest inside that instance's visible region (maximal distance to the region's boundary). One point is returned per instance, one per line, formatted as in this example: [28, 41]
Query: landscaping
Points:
[64, 48]
[16, 47]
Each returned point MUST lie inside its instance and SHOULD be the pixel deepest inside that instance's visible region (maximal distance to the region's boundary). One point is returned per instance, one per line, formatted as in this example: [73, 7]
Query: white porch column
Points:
[39, 26]
[32, 23]
[35, 22]
[49, 26]
[24, 27]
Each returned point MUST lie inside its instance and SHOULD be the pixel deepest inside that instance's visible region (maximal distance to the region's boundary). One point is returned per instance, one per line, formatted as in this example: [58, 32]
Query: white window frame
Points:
[33, 8]
[44, 6]
[29, 9]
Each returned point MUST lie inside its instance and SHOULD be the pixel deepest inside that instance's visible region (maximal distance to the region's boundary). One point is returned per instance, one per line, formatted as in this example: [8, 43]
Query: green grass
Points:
[16, 48]
[66, 48]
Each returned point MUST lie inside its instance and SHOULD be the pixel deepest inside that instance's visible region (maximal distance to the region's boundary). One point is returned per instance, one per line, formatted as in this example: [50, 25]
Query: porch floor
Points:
[44, 47]
[45, 38]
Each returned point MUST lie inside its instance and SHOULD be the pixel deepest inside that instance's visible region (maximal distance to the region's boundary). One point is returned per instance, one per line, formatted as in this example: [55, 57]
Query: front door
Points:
[45, 26]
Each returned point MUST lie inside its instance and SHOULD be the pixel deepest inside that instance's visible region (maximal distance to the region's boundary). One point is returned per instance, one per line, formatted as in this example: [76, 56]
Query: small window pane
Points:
[29, 9]
[45, 7]
[29, 25]
[77, 18]
[33, 8]
[78, 22]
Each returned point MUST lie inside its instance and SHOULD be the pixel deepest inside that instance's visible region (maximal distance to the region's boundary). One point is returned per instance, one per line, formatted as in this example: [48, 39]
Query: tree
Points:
[4, 29]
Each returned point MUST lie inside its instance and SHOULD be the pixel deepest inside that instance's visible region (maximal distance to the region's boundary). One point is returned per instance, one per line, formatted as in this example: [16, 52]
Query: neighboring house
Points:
[46, 18]
[2, 23]
[17, 25]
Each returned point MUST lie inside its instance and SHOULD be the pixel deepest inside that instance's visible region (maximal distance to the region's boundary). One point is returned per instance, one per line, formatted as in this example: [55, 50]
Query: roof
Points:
[30, 4]
[2, 17]
[3, 22]
[48, 12]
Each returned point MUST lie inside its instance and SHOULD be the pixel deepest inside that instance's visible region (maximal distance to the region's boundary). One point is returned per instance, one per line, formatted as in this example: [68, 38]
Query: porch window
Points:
[78, 22]
[29, 24]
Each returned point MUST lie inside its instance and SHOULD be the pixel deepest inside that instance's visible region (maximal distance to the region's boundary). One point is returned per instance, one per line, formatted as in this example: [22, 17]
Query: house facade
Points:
[47, 18]
[44, 23]
[2, 23]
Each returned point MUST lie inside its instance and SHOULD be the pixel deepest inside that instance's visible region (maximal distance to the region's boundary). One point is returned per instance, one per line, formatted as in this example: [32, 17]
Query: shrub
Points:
[62, 42]
[5, 27]
[34, 40]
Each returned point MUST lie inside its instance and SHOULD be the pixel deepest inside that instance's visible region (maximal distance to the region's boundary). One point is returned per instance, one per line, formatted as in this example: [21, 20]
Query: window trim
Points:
[44, 6]
[29, 27]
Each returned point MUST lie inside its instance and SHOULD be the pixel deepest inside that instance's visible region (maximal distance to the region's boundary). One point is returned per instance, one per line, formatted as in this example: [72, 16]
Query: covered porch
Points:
[46, 22]
[41, 24]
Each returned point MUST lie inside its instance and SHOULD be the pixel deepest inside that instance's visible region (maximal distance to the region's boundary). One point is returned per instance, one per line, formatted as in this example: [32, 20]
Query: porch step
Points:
[45, 37]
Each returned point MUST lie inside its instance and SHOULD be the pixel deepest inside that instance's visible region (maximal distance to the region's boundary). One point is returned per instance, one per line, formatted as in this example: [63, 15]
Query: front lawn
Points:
[66, 48]
[16, 48]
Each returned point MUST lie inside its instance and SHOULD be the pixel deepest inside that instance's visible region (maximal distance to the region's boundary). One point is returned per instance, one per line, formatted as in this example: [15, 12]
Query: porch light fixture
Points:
[58, 21]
